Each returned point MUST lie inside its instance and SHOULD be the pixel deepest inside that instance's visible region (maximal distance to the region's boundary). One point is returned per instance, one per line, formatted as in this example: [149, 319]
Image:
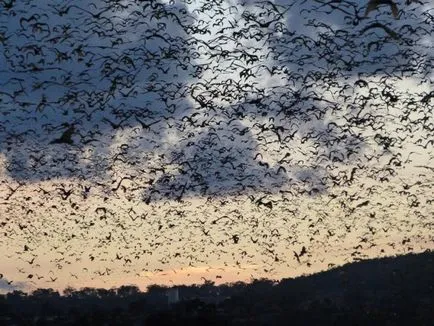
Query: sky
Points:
[176, 141]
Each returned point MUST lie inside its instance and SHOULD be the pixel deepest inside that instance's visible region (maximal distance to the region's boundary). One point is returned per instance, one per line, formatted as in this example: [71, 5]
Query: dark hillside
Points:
[386, 291]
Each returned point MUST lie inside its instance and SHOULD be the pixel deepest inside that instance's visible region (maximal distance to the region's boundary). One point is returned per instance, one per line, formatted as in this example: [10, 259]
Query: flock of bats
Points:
[191, 132]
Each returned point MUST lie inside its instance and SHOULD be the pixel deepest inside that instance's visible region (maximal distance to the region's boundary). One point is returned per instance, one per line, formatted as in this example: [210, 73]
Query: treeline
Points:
[388, 291]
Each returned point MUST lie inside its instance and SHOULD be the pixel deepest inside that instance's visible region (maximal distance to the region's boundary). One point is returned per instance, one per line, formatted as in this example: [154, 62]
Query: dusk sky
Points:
[171, 142]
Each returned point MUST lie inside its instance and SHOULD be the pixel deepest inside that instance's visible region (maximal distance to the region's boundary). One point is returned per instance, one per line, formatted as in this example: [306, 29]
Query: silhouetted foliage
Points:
[387, 291]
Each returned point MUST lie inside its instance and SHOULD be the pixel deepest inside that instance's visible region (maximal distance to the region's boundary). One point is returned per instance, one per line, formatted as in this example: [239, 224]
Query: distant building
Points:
[172, 295]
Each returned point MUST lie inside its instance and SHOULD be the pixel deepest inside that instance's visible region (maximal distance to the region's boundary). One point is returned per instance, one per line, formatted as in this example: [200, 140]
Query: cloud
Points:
[6, 287]
[173, 80]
